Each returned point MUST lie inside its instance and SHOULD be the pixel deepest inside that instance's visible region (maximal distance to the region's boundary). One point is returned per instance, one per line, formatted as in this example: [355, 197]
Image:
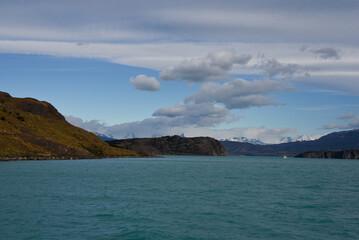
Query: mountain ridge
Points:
[172, 145]
[336, 141]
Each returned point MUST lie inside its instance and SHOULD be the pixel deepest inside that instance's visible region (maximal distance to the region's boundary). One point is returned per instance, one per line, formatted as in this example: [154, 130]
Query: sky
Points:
[264, 70]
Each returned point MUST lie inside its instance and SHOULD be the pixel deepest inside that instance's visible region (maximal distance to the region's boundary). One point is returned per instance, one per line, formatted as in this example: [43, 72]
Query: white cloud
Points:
[214, 67]
[238, 93]
[349, 121]
[201, 115]
[143, 82]
[161, 55]
[166, 119]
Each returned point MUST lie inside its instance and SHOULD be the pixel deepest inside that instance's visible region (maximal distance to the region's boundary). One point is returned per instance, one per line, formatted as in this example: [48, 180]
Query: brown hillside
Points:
[31, 129]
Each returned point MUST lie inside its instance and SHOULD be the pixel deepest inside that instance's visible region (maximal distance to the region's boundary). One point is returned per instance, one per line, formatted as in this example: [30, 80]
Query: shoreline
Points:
[43, 158]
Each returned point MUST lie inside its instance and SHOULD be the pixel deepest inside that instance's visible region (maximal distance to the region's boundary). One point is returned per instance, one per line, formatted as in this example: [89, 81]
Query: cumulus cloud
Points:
[238, 93]
[273, 68]
[349, 121]
[202, 115]
[214, 67]
[143, 82]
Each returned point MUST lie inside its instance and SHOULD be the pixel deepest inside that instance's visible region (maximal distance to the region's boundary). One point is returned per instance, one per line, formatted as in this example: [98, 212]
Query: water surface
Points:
[180, 197]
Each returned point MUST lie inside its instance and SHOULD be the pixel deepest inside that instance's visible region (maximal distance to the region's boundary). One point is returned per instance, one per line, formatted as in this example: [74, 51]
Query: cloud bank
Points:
[201, 21]
[155, 127]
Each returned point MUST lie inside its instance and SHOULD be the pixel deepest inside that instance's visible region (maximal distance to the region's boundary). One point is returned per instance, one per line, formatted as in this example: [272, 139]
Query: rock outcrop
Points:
[348, 154]
[31, 129]
[172, 145]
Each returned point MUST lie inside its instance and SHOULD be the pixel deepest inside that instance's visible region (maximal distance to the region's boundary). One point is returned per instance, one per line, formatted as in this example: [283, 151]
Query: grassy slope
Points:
[32, 128]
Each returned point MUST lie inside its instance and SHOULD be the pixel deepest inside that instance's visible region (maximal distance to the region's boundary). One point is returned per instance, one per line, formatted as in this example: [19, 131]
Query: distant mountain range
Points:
[337, 141]
[289, 146]
[243, 140]
[282, 140]
[233, 139]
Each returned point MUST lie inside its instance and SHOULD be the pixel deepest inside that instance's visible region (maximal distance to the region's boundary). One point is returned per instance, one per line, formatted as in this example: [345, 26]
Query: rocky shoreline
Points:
[21, 158]
[347, 154]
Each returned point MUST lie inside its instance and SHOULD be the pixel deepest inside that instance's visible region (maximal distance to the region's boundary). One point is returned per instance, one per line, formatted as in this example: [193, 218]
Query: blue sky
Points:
[259, 69]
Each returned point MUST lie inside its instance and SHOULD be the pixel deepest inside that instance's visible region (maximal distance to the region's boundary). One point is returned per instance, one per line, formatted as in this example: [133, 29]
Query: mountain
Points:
[172, 145]
[32, 129]
[243, 140]
[337, 141]
[300, 138]
[282, 140]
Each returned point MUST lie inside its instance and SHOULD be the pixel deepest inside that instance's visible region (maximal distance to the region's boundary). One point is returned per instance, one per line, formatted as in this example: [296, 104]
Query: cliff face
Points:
[174, 145]
[31, 129]
[348, 154]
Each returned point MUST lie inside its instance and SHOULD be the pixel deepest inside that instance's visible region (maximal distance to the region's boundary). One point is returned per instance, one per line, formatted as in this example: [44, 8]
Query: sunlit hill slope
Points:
[31, 129]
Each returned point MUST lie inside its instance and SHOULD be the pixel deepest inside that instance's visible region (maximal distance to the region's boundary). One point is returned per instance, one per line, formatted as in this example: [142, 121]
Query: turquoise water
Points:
[180, 197]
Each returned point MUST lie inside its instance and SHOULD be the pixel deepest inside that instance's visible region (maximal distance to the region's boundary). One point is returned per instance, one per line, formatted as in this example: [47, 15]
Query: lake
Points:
[180, 197]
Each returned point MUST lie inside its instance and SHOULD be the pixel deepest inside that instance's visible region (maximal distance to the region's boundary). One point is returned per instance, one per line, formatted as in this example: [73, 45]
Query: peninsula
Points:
[172, 145]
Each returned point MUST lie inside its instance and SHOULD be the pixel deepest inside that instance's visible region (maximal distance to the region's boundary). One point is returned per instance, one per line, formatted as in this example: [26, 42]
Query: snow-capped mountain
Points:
[244, 140]
[281, 140]
[300, 138]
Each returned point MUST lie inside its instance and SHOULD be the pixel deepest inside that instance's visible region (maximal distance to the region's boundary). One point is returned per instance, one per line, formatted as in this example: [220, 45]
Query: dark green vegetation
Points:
[337, 141]
[172, 145]
[30, 129]
[348, 154]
